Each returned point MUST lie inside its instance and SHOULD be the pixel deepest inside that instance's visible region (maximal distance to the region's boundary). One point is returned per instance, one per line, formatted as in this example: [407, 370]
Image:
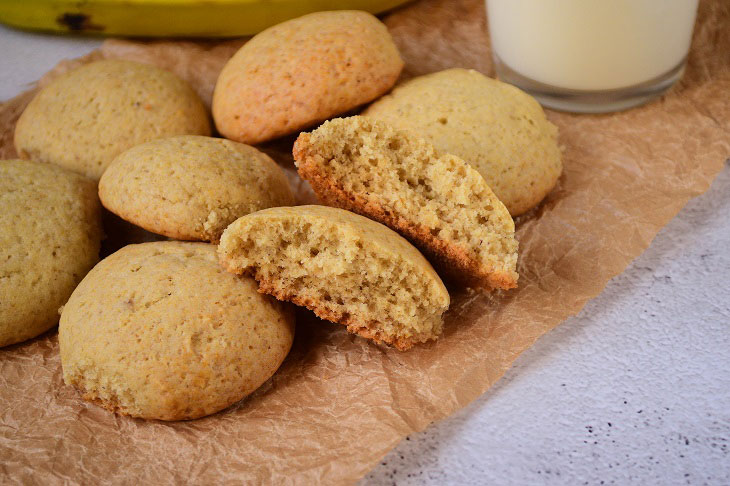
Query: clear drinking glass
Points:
[591, 56]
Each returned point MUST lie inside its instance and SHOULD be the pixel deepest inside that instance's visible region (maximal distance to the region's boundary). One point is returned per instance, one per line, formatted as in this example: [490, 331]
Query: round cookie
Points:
[50, 232]
[161, 331]
[88, 116]
[303, 71]
[498, 129]
[192, 187]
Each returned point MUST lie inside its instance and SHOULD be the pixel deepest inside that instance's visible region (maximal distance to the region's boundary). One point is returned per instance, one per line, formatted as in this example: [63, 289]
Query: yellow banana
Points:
[169, 18]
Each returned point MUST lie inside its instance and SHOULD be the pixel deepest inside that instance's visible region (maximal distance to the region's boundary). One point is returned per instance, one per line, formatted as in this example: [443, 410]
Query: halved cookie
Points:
[344, 267]
[437, 201]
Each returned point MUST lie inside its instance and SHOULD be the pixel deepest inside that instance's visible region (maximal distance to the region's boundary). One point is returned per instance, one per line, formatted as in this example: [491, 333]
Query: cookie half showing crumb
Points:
[344, 267]
[161, 331]
[437, 201]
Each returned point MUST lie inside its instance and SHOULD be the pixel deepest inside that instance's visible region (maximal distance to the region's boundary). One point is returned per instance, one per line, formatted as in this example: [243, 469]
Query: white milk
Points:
[591, 44]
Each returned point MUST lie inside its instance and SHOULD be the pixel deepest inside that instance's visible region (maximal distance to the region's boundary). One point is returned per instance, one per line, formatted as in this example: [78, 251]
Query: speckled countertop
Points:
[633, 390]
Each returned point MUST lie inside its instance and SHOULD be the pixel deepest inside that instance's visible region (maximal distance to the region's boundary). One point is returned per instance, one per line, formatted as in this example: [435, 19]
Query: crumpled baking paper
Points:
[339, 403]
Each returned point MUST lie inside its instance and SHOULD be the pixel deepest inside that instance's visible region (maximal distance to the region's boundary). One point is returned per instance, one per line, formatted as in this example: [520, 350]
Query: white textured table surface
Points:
[634, 390]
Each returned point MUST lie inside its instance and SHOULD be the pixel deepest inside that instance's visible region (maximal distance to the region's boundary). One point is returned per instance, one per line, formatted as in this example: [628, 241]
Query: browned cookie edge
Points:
[353, 325]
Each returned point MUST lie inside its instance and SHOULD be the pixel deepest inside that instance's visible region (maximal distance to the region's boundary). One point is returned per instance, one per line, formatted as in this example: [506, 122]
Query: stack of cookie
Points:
[429, 175]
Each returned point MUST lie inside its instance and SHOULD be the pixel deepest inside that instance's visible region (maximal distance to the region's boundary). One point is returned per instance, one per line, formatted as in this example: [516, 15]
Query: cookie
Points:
[85, 118]
[302, 71]
[192, 187]
[498, 129]
[50, 232]
[344, 267]
[439, 202]
[161, 331]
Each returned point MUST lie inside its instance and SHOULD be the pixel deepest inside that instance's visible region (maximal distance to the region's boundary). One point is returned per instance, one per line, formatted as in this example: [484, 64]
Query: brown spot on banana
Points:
[78, 22]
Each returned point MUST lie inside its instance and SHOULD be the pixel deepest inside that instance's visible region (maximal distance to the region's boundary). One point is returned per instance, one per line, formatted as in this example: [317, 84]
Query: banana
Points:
[169, 18]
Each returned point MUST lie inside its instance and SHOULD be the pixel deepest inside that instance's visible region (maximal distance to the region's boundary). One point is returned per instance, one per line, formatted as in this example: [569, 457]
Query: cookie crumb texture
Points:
[88, 116]
[303, 71]
[192, 187]
[497, 128]
[161, 331]
[344, 267]
[437, 201]
[50, 232]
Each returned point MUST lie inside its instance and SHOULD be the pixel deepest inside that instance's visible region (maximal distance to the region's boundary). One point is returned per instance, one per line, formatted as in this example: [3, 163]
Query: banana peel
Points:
[169, 18]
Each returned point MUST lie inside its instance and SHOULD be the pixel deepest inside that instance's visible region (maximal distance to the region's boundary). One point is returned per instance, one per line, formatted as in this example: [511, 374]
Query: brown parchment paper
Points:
[339, 403]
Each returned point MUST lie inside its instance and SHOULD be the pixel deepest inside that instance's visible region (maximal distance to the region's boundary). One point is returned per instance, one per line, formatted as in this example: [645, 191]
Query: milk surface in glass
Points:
[591, 45]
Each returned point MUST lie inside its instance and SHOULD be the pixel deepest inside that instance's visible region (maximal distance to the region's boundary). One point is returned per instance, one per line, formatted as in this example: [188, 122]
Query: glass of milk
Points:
[591, 56]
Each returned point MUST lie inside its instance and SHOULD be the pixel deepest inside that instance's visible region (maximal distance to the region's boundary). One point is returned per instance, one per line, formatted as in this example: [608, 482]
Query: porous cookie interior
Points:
[339, 274]
[438, 201]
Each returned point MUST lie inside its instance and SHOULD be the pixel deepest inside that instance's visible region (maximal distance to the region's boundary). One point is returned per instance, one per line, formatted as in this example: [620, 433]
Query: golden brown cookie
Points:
[161, 331]
[439, 202]
[85, 118]
[498, 129]
[192, 187]
[303, 71]
[50, 231]
[344, 267]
